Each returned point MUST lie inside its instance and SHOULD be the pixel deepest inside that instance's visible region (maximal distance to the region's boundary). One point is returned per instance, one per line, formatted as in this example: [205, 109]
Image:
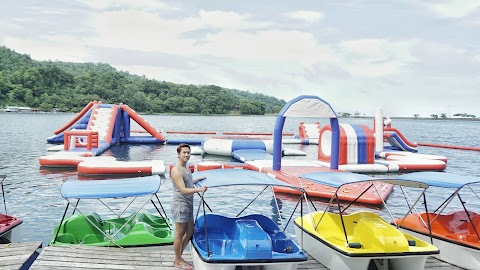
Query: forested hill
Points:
[68, 87]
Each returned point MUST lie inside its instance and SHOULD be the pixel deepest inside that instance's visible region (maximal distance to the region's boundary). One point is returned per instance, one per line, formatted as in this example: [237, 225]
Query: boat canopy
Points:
[440, 179]
[235, 177]
[338, 179]
[130, 187]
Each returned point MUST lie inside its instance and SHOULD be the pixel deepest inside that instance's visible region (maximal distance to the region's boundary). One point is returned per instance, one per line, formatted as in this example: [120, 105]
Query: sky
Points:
[405, 56]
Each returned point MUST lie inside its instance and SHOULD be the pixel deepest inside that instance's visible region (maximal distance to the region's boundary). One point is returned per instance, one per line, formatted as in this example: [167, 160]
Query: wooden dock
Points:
[18, 255]
[87, 257]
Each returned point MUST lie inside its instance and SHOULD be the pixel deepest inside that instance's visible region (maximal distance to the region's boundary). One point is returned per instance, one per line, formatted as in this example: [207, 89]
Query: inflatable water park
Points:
[340, 147]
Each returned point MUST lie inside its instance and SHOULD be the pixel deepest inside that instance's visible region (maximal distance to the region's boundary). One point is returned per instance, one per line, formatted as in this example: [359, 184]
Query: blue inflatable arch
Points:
[305, 106]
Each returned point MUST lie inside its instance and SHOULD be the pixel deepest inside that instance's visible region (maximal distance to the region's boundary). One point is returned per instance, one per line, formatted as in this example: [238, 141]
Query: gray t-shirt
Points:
[183, 202]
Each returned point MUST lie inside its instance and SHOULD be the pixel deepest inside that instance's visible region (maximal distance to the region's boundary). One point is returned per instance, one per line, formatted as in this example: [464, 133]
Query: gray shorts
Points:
[182, 215]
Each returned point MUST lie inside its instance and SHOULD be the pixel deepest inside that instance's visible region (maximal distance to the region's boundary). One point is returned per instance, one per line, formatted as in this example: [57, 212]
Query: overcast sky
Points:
[407, 56]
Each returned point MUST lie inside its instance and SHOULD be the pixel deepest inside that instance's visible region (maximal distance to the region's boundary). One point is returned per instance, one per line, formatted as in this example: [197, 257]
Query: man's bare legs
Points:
[183, 234]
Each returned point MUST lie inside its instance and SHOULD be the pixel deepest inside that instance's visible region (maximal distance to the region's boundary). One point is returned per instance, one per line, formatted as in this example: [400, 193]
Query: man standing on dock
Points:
[182, 204]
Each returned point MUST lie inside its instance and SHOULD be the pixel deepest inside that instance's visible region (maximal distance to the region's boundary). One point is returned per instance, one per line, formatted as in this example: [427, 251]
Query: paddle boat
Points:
[10, 226]
[223, 242]
[455, 233]
[127, 228]
[341, 240]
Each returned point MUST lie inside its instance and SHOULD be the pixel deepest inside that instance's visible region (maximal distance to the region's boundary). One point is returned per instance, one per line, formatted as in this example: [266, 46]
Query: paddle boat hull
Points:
[451, 233]
[141, 230]
[201, 265]
[253, 241]
[369, 236]
[10, 229]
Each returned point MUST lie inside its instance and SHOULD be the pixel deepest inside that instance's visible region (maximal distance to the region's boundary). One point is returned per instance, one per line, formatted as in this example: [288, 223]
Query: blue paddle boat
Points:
[223, 243]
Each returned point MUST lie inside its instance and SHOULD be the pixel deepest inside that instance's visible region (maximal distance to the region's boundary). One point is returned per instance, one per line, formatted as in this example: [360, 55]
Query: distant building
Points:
[17, 109]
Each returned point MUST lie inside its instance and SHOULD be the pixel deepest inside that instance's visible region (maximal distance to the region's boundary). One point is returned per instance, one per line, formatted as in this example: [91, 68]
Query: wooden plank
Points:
[85, 257]
[434, 263]
[15, 255]
[311, 263]
[109, 258]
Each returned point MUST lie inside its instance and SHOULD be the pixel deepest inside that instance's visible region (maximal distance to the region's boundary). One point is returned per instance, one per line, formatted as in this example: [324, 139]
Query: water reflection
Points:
[277, 206]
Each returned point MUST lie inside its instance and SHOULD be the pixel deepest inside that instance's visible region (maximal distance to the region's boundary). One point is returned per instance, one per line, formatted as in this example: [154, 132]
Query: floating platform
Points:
[70, 159]
[348, 193]
[114, 167]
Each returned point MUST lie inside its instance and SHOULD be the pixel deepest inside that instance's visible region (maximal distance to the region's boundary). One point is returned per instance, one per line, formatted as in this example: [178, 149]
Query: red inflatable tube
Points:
[74, 120]
[450, 146]
[401, 136]
[142, 122]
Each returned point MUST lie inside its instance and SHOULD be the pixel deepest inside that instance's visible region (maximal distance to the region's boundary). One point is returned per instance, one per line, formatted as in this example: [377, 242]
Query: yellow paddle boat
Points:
[341, 240]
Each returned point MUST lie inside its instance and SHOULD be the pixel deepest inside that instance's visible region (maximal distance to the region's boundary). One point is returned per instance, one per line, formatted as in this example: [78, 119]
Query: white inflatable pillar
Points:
[72, 142]
[379, 130]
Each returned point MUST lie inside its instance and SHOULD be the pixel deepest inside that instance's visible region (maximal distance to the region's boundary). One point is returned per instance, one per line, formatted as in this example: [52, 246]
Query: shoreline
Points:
[250, 115]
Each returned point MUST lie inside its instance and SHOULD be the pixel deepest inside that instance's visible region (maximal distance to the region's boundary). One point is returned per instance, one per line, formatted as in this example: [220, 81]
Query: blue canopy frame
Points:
[446, 180]
[236, 177]
[339, 179]
[116, 188]
[441, 179]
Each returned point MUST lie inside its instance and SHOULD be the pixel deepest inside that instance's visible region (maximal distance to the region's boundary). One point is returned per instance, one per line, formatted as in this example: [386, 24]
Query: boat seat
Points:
[476, 223]
[253, 241]
[387, 236]
[92, 238]
[454, 223]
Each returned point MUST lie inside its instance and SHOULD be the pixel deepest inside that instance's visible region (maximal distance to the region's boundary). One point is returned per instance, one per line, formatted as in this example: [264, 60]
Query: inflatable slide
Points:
[95, 129]
[396, 139]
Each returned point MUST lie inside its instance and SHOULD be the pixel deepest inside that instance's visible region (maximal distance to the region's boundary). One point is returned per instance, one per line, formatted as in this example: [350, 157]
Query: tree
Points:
[190, 105]
[416, 116]
[249, 107]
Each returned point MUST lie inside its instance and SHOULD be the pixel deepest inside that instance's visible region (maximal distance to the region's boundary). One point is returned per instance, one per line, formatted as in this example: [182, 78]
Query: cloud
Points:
[226, 34]
[61, 47]
[441, 59]
[308, 17]
[452, 8]
[287, 49]
[223, 19]
[374, 57]
[151, 5]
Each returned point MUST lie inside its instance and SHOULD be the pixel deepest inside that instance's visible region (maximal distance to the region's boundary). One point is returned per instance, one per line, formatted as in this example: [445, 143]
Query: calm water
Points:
[32, 192]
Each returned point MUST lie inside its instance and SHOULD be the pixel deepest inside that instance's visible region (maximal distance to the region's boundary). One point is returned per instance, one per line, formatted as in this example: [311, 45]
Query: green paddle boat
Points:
[142, 229]
[135, 227]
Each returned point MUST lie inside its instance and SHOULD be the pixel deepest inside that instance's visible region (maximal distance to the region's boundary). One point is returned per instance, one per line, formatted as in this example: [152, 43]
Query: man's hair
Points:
[182, 145]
